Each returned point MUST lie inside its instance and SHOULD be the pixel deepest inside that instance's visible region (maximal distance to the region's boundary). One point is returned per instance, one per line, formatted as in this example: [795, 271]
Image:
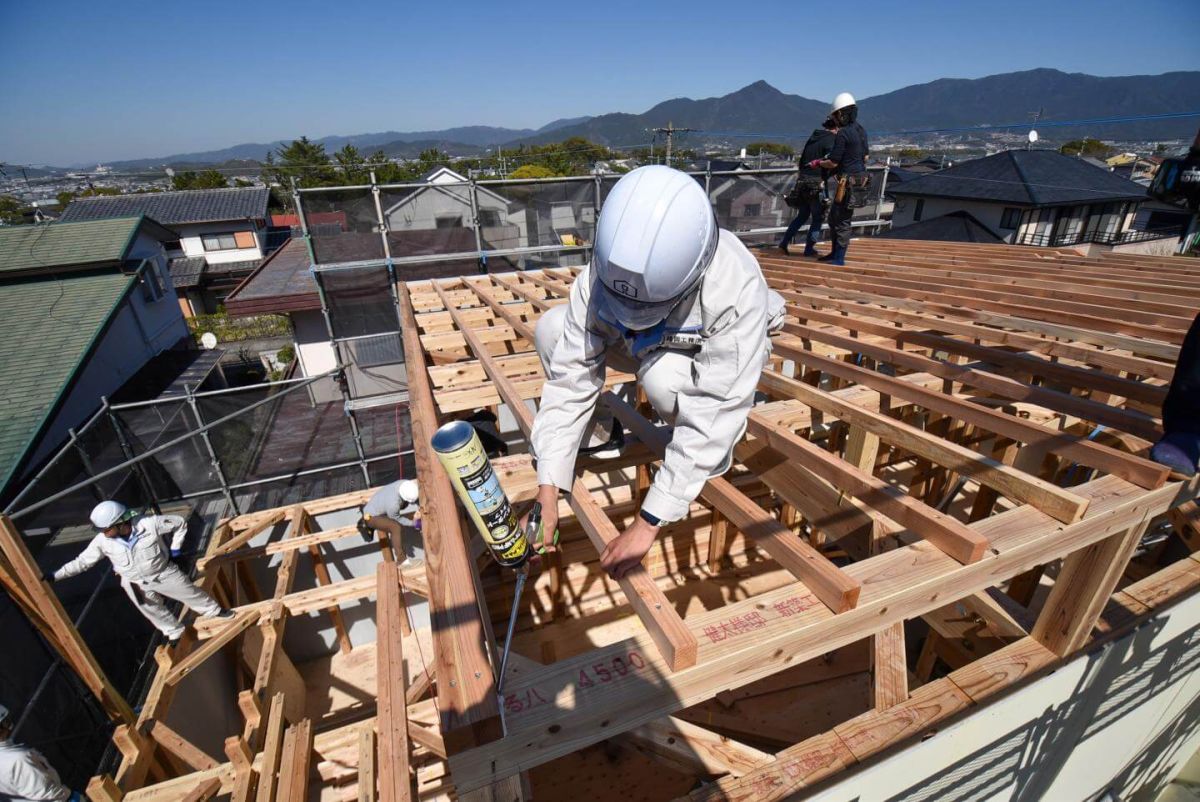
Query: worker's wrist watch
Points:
[653, 520]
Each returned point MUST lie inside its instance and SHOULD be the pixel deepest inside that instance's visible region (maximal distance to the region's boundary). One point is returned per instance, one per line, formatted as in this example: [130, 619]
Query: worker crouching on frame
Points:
[682, 304]
[395, 509]
[133, 544]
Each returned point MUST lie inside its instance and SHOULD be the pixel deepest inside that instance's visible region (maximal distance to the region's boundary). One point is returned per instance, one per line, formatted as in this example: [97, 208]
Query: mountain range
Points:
[761, 109]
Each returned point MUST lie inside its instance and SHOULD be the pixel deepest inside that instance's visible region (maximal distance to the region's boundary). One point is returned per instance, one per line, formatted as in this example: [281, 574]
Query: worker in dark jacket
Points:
[1180, 446]
[809, 192]
[848, 162]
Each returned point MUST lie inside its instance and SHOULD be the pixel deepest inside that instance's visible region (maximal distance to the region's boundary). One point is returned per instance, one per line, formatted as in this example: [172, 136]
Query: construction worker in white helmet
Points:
[25, 774]
[681, 303]
[848, 161]
[133, 543]
[394, 509]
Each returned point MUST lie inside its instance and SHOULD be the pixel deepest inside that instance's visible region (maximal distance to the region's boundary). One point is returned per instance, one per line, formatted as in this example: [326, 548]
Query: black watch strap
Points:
[648, 518]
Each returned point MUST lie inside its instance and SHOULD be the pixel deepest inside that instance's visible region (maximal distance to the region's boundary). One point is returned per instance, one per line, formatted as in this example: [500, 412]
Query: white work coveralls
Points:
[386, 503]
[705, 388]
[25, 776]
[146, 571]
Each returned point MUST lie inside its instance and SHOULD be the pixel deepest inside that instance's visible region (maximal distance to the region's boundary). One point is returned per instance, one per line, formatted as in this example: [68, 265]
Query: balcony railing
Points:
[1099, 237]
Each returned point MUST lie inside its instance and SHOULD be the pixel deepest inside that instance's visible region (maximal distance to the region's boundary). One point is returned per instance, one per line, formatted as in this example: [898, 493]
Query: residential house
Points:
[366, 326]
[951, 227]
[1031, 197]
[223, 236]
[83, 307]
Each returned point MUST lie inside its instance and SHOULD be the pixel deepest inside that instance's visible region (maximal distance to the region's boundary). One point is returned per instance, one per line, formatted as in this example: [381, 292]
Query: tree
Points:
[910, 153]
[242, 183]
[303, 160]
[11, 210]
[1086, 147]
[353, 165]
[773, 148]
[532, 171]
[91, 192]
[205, 179]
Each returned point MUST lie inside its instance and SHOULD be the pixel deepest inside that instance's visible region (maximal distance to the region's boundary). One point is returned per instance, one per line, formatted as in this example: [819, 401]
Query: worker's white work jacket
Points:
[141, 558]
[25, 776]
[728, 317]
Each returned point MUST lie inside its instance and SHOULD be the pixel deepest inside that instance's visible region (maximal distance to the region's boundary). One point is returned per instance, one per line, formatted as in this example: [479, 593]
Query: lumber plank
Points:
[465, 690]
[295, 762]
[1141, 472]
[272, 753]
[1056, 502]
[808, 565]
[877, 730]
[366, 765]
[797, 767]
[700, 750]
[220, 638]
[1000, 670]
[180, 747]
[890, 667]
[205, 790]
[394, 782]
[945, 532]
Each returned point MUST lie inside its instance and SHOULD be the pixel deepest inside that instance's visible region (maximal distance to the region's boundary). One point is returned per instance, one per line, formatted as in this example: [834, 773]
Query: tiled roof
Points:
[186, 271]
[172, 208]
[245, 266]
[37, 248]
[1024, 178]
[47, 326]
[952, 227]
[282, 283]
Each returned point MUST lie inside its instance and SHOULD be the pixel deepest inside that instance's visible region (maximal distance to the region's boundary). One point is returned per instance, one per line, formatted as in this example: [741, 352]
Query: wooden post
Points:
[1086, 580]
[366, 765]
[394, 782]
[57, 627]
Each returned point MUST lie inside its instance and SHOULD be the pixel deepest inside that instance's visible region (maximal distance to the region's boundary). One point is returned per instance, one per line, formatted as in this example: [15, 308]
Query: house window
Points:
[173, 245]
[753, 210]
[449, 221]
[1010, 217]
[152, 283]
[918, 210]
[230, 241]
[489, 217]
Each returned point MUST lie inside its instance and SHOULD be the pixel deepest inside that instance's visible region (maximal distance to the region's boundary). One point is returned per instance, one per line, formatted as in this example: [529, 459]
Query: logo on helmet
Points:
[625, 288]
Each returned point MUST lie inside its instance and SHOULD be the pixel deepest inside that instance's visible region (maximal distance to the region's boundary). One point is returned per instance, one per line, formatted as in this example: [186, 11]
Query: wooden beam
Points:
[665, 626]
[58, 628]
[366, 765]
[1055, 501]
[890, 667]
[205, 790]
[395, 785]
[268, 771]
[1084, 583]
[1139, 471]
[243, 537]
[335, 613]
[295, 763]
[466, 689]
[696, 749]
[808, 565]
[180, 747]
[218, 641]
[945, 532]
[240, 756]
[280, 546]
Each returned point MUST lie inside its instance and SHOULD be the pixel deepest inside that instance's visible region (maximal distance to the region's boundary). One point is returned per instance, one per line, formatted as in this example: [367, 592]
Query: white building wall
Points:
[989, 214]
[315, 352]
[193, 245]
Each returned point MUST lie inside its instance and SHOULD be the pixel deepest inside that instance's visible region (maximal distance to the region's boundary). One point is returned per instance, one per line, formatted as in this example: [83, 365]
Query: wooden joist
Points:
[395, 785]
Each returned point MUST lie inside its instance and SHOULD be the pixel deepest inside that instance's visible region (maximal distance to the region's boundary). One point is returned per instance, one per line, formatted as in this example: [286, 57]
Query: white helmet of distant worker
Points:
[410, 491]
[655, 238]
[107, 513]
[842, 101]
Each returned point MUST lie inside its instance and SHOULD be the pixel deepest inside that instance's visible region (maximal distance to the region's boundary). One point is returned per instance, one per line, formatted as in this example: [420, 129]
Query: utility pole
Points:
[670, 131]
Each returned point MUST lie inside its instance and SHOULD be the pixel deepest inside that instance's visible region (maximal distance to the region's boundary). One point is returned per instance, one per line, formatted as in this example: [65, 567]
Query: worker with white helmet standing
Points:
[848, 161]
[25, 774]
[394, 509]
[681, 303]
[133, 543]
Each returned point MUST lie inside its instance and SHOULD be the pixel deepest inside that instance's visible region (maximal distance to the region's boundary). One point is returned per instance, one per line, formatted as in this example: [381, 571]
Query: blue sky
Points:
[88, 81]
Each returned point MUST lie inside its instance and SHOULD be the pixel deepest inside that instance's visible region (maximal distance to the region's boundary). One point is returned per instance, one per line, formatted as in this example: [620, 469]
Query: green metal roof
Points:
[25, 249]
[47, 326]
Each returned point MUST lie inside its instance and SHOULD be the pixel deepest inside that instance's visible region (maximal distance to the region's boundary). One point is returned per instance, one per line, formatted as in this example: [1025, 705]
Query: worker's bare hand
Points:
[625, 552]
[548, 497]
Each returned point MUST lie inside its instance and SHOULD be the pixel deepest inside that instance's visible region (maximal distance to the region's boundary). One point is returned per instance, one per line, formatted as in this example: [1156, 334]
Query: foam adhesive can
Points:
[462, 455]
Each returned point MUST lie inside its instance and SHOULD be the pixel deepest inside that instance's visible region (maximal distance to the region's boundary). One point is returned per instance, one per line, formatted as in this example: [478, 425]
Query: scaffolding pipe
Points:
[153, 402]
[127, 450]
[212, 452]
[53, 461]
[156, 450]
[293, 475]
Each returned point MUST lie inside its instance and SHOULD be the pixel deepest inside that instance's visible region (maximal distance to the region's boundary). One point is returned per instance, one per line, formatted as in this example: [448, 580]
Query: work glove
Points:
[815, 163]
[176, 554]
[366, 530]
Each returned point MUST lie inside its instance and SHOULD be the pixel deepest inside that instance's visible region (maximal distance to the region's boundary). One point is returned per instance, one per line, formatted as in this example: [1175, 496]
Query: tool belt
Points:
[802, 192]
[852, 190]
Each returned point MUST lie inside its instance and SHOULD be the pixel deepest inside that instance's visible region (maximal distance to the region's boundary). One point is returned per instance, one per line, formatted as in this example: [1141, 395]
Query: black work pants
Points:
[1181, 410]
[810, 206]
[839, 222]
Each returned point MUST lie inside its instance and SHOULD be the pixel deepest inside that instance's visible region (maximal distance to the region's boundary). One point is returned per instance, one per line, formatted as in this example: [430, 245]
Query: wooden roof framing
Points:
[938, 423]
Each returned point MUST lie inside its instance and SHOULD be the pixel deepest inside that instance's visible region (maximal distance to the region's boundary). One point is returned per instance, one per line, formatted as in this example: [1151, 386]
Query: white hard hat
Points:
[107, 513]
[410, 491]
[842, 101]
[655, 237]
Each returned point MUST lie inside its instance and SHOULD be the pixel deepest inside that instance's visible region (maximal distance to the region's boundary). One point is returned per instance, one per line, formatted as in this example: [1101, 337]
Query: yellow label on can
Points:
[478, 487]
